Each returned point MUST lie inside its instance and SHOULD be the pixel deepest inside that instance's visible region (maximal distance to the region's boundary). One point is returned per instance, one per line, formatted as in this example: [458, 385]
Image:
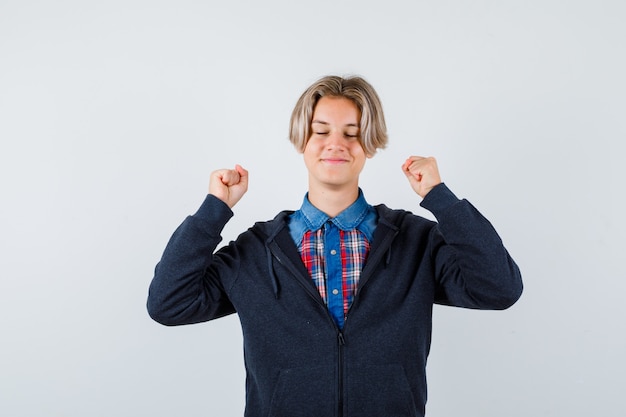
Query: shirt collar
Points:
[348, 219]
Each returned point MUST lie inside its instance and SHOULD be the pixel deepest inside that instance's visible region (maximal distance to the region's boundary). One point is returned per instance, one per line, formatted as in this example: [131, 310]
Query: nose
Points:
[336, 141]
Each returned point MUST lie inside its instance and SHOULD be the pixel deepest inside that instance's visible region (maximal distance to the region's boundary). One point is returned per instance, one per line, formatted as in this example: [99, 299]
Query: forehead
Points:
[336, 110]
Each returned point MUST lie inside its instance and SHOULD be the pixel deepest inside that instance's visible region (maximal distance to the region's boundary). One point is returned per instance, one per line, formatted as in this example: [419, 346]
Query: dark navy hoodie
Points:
[298, 363]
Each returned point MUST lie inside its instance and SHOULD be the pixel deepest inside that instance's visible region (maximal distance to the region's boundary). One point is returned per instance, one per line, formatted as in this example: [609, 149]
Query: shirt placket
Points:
[334, 272]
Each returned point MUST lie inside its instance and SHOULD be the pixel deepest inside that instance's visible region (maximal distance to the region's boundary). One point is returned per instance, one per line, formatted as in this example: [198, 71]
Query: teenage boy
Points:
[335, 300]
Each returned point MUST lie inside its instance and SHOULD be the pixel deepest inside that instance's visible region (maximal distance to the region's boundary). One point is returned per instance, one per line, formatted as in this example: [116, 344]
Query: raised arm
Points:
[181, 291]
[472, 267]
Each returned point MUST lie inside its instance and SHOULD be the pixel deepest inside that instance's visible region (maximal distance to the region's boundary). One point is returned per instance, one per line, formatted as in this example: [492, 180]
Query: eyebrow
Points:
[326, 123]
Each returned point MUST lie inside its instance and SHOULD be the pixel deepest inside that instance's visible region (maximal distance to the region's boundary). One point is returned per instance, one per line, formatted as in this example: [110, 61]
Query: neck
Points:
[333, 201]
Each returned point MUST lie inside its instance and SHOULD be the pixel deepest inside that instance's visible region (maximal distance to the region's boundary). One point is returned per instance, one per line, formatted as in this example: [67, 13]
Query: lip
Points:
[334, 161]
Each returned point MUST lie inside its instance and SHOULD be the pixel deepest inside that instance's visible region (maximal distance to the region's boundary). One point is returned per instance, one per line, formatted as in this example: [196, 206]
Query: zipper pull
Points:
[341, 339]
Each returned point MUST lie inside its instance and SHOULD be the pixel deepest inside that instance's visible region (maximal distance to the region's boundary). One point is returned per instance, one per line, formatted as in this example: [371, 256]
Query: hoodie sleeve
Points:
[472, 267]
[181, 291]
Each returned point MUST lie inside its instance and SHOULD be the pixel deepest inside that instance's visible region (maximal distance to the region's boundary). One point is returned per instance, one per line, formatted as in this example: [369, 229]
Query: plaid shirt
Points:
[334, 250]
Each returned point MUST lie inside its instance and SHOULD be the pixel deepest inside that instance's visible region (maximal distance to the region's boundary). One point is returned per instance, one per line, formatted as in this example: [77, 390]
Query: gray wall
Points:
[113, 114]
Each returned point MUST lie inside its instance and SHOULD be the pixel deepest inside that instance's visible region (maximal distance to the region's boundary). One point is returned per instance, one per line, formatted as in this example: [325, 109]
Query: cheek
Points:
[359, 152]
[313, 147]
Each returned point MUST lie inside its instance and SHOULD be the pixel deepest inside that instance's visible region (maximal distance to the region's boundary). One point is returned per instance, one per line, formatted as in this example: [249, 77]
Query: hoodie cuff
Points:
[214, 213]
[439, 199]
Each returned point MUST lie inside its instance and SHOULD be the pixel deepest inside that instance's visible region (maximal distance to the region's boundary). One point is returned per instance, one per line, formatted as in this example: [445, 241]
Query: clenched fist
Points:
[229, 185]
[423, 174]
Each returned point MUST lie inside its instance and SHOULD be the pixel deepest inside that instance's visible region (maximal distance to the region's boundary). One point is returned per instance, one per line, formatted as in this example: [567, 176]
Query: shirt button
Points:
[333, 252]
[335, 291]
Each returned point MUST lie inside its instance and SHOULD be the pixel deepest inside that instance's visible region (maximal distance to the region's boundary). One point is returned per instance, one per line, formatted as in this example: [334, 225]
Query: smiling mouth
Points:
[334, 160]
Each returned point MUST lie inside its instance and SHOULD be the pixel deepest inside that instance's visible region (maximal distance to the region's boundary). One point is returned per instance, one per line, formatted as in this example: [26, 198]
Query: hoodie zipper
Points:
[341, 343]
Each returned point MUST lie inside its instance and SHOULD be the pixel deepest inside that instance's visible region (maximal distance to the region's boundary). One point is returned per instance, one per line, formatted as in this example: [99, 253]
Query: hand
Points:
[422, 173]
[229, 185]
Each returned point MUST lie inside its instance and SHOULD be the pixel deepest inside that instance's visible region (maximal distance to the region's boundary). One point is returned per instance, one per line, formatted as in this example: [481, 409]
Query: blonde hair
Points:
[373, 130]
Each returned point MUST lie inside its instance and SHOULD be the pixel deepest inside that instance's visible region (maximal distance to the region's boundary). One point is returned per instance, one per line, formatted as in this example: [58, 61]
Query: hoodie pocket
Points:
[374, 391]
[305, 392]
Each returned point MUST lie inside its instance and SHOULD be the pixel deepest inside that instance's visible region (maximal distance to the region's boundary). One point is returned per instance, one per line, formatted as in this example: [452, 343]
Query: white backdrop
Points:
[113, 114]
